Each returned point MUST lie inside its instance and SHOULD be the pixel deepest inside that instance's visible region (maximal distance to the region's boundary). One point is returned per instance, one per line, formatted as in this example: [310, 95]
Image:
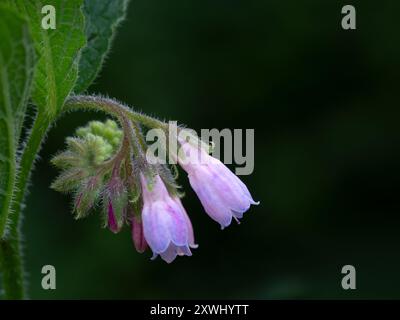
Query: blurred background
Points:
[324, 105]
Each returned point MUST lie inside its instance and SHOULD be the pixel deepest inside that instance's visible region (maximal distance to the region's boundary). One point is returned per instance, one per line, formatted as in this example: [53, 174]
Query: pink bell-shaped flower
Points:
[166, 226]
[222, 194]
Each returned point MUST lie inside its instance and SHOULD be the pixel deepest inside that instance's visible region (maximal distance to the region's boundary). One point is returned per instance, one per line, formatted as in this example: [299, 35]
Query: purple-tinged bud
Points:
[137, 235]
[165, 222]
[222, 194]
[115, 200]
[111, 219]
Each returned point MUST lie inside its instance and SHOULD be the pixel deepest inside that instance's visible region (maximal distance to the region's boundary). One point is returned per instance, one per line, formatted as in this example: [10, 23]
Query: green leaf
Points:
[16, 71]
[58, 50]
[102, 19]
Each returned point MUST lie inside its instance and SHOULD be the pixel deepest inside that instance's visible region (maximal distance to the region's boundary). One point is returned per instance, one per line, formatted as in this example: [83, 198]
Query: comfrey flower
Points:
[105, 167]
[222, 194]
[167, 228]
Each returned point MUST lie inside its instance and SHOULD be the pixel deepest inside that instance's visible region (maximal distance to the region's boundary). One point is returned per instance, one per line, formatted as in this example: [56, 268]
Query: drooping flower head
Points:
[106, 164]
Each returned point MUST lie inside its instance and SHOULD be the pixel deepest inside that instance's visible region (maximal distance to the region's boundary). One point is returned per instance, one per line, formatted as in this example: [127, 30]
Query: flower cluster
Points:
[104, 165]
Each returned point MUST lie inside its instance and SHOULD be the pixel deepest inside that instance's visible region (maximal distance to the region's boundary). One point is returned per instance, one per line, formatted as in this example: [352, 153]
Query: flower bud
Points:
[137, 235]
[115, 200]
[111, 219]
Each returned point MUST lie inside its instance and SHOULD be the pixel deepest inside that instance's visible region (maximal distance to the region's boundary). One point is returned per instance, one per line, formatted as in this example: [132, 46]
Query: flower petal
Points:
[188, 223]
[211, 201]
[155, 230]
[170, 254]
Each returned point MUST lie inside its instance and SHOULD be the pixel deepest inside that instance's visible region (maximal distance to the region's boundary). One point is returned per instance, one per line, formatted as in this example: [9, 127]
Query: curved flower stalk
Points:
[105, 166]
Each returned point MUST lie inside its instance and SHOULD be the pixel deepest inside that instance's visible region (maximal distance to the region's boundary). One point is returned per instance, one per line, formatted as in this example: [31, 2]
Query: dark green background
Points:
[324, 105]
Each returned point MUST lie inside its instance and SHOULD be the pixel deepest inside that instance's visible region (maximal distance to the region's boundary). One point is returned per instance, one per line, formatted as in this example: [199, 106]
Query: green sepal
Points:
[69, 180]
[87, 196]
[169, 180]
[66, 159]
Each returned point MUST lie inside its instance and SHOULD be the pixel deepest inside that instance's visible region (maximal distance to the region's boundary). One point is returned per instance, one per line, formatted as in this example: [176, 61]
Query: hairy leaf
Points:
[58, 50]
[16, 71]
[102, 19]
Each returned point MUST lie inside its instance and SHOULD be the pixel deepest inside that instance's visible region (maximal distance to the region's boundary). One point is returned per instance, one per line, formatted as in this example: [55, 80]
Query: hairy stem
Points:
[113, 107]
[38, 132]
[10, 246]
[129, 119]
[12, 267]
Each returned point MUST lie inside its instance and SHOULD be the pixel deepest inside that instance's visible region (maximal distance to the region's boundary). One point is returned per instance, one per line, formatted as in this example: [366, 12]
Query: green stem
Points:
[113, 107]
[38, 132]
[10, 246]
[12, 268]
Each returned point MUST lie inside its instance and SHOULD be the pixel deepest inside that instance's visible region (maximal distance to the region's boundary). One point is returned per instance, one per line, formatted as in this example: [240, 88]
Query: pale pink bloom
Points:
[222, 194]
[188, 223]
[166, 226]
